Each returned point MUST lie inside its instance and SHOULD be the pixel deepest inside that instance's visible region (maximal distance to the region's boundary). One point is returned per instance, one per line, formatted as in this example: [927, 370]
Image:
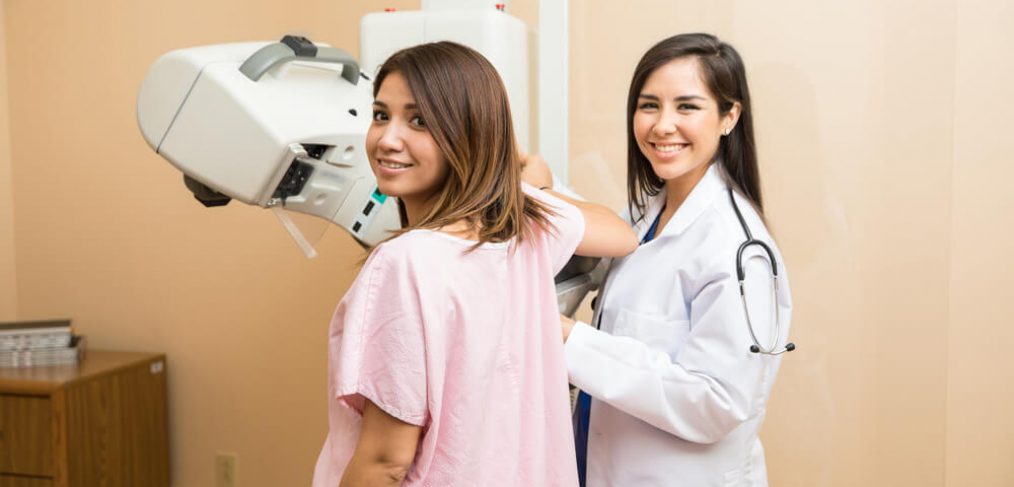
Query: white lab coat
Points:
[678, 397]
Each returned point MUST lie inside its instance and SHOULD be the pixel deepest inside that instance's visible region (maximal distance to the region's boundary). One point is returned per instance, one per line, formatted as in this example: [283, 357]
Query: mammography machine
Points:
[283, 124]
[269, 124]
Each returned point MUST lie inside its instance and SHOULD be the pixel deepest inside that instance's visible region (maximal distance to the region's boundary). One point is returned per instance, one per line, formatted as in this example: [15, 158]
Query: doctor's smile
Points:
[669, 149]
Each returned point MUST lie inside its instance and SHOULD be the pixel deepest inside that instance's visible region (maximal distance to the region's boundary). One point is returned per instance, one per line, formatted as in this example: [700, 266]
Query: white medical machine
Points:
[500, 37]
[269, 124]
[283, 124]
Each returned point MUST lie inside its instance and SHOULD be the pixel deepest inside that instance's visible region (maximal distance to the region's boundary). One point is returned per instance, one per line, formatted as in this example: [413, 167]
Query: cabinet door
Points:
[26, 437]
[116, 429]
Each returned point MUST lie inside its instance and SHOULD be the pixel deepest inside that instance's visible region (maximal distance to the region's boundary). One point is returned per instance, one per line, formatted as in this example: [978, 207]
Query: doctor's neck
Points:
[679, 188]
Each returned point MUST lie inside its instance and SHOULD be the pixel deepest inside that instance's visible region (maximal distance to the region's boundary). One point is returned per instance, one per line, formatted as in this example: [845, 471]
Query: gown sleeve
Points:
[566, 227]
[381, 345]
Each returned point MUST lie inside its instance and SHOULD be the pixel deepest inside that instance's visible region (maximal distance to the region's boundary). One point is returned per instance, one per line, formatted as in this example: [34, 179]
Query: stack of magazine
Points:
[37, 343]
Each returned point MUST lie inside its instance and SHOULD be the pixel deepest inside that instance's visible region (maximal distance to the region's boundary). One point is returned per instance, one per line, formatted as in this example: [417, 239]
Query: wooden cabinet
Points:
[101, 423]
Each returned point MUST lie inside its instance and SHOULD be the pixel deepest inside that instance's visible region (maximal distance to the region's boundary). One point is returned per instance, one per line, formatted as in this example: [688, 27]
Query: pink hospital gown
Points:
[466, 345]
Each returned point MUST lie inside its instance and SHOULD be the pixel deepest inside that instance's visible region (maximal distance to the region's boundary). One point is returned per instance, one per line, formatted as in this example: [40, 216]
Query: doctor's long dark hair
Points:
[725, 76]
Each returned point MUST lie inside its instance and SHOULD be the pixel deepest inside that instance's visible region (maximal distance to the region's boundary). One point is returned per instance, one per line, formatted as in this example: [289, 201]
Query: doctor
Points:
[673, 393]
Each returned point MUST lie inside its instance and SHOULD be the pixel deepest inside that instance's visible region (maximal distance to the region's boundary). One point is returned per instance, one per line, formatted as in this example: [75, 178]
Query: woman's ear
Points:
[731, 118]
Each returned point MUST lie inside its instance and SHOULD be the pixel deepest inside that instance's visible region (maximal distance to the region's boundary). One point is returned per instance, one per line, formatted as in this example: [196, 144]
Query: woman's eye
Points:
[687, 106]
[417, 121]
[648, 106]
[379, 116]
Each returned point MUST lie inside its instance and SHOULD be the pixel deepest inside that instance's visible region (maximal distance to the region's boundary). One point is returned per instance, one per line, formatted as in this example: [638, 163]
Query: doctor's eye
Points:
[380, 116]
[417, 122]
[648, 105]
[687, 107]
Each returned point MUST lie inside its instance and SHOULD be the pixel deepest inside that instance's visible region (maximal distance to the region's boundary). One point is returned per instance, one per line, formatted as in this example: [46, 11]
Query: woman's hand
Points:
[535, 171]
[566, 324]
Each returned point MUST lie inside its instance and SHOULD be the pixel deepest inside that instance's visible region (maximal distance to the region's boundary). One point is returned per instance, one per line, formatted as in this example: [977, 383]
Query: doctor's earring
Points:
[727, 132]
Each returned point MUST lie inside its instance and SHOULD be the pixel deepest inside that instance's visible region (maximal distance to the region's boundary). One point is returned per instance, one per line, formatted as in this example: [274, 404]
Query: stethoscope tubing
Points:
[771, 349]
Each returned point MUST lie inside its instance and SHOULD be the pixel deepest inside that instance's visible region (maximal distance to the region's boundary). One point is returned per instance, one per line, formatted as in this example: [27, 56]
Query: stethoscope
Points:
[741, 275]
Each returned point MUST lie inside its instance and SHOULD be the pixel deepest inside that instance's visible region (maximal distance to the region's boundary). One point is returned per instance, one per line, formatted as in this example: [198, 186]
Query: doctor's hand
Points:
[566, 324]
[535, 171]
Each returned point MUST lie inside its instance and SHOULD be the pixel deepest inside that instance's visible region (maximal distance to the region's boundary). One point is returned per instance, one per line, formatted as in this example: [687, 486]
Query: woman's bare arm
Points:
[385, 450]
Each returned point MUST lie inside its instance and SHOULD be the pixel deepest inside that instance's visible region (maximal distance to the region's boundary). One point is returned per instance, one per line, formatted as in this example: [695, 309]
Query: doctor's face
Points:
[403, 154]
[677, 123]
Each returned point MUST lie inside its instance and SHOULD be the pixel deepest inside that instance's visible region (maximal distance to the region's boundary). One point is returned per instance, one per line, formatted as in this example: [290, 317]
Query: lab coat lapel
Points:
[650, 212]
[699, 200]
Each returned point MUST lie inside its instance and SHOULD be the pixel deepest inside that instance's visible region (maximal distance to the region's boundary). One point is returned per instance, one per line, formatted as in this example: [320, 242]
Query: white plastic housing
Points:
[239, 136]
[503, 39]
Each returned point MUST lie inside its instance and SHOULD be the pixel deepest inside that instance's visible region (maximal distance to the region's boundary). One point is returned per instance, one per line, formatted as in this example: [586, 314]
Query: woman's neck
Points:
[678, 189]
[415, 211]
[460, 229]
[676, 192]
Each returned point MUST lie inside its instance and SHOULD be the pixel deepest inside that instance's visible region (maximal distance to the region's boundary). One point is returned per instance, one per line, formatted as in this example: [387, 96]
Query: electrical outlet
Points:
[225, 470]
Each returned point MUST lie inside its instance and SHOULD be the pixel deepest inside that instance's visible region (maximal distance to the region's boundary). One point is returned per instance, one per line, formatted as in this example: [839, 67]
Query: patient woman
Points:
[446, 366]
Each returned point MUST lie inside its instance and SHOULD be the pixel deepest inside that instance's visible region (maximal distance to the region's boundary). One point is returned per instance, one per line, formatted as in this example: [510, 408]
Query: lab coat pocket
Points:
[659, 333]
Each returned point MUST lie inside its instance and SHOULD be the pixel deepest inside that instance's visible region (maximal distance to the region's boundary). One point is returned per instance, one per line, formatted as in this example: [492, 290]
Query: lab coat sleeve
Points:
[712, 386]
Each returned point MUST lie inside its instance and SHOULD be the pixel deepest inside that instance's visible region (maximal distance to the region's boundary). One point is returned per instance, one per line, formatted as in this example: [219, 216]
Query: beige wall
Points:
[980, 429]
[876, 123]
[8, 281]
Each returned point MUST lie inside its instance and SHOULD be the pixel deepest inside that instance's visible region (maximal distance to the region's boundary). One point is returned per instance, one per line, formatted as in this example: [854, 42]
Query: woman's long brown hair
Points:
[464, 105]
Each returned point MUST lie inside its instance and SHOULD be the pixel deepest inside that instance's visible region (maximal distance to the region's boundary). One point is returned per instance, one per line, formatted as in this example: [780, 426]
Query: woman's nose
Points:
[390, 139]
[665, 125]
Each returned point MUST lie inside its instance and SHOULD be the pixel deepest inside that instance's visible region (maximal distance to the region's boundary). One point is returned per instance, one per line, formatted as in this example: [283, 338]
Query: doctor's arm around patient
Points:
[605, 233]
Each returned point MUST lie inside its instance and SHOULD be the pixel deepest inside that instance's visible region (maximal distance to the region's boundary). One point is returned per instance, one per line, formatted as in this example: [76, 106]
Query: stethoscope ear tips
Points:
[790, 347]
[754, 349]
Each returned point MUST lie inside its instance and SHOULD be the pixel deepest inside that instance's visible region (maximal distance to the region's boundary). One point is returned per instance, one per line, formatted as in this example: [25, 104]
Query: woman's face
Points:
[403, 155]
[677, 123]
